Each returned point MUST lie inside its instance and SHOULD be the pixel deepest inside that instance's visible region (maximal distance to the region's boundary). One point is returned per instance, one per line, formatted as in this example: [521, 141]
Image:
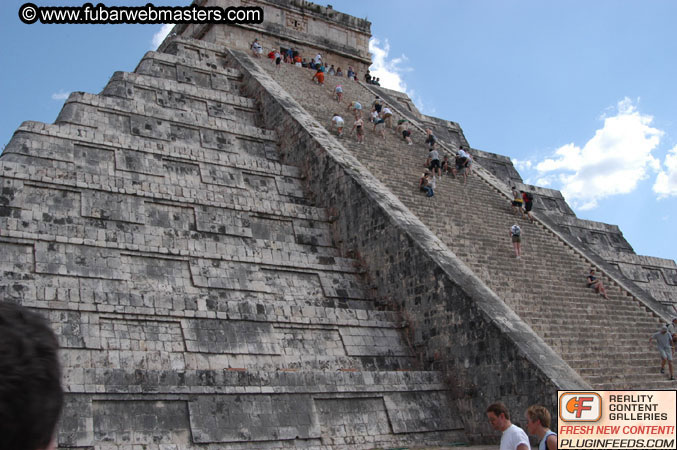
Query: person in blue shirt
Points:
[538, 424]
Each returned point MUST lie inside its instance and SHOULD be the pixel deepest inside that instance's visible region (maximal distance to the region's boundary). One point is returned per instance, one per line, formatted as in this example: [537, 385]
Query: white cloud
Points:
[666, 181]
[161, 35]
[612, 162]
[390, 72]
[61, 95]
[522, 164]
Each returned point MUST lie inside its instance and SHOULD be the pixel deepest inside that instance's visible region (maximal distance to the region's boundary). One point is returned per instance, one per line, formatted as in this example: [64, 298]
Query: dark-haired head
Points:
[31, 396]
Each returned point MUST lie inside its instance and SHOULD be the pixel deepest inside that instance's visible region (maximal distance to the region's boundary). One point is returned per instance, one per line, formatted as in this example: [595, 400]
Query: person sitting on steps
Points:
[425, 184]
[596, 284]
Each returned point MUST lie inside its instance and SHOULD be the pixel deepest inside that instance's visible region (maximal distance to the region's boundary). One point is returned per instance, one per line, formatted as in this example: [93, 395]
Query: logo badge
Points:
[580, 407]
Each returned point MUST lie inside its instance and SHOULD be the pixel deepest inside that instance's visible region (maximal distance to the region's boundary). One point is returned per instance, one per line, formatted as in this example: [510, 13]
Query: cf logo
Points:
[580, 407]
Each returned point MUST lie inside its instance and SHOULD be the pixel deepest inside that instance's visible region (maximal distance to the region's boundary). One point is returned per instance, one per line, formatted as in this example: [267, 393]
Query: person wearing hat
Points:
[663, 341]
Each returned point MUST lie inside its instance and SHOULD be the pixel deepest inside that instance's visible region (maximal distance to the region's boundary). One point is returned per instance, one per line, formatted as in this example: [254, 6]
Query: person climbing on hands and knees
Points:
[339, 93]
[337, 121]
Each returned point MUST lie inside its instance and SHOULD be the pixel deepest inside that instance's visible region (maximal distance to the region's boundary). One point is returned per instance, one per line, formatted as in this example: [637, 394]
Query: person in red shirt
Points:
[528, 199]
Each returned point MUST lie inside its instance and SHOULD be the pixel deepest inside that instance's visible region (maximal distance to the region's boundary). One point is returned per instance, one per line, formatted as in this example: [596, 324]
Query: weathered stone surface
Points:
[223, 273]
[253, 418]
[196, 290]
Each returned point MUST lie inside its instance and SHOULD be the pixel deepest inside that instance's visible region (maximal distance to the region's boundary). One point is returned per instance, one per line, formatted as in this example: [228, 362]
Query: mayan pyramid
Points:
[222, 271]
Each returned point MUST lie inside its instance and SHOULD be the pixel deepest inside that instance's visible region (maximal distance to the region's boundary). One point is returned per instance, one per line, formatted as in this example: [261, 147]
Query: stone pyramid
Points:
[223, 272]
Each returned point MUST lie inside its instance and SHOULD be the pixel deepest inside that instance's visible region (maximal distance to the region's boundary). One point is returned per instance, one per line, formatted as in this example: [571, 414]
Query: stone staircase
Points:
[604, 340]
[196, 290]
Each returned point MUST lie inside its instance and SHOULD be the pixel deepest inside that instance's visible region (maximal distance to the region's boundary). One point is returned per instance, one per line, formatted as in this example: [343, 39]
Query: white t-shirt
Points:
[512, 437]
[387, 111]
[462, 153]
[318, 59]
[338, 120]
[662, 339]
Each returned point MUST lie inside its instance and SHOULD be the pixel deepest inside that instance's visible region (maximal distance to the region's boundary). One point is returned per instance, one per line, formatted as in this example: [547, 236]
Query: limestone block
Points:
[150, 127]
[220, 82]
[223, 176]
[170, 216]
[420, 411]
[352, 416]
[227, 275]
[224, 419]
[72, 260]
[76, 424]
[107, 206]
[45, 150]
[186, 74]
[373, 342]
[232, 337]
[223, 221]
[141, 422]
[139, 162]
[151, 67]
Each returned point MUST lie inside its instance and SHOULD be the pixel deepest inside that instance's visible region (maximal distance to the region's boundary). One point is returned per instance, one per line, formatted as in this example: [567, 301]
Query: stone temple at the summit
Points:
[223, 271]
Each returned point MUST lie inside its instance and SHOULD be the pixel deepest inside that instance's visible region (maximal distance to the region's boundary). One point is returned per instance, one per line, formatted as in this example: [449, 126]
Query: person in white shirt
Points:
[516, 238]
[387, 115]
[513, 438]
[337, 121]
[461, 164]
[257, 49]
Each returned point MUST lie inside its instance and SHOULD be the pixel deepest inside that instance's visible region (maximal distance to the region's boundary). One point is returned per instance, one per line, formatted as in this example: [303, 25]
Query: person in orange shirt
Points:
[319, 76]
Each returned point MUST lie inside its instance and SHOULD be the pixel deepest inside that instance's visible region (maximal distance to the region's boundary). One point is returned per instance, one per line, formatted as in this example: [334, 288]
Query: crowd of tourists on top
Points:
[291, 56]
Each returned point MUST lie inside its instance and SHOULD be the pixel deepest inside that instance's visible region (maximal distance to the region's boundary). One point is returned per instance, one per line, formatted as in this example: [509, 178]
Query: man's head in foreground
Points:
[30, 380]
[499, 416]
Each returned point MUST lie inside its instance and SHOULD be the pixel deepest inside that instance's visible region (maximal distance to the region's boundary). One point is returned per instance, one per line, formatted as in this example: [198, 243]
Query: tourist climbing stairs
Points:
[605, 341]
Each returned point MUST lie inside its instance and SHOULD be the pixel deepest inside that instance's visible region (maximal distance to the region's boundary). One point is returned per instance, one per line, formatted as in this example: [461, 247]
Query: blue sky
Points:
[580, 94]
